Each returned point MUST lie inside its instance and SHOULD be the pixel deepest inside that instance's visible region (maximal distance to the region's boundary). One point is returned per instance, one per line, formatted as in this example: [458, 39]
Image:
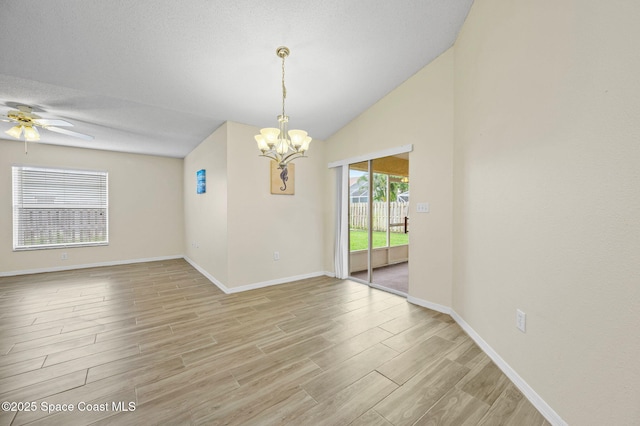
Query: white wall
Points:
[145, 206]
[547, 197]
[419, 112]
[206, 214]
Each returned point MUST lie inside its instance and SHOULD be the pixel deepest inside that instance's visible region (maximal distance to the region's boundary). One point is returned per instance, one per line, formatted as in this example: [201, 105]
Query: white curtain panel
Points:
[341, 252]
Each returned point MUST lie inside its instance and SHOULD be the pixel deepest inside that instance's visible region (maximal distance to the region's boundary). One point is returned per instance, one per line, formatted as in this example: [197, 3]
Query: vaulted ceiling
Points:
[159, 76]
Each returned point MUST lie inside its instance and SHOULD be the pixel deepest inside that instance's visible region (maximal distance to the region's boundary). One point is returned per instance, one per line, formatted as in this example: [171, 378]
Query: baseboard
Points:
[275, 282]
[429, 305]
[527, 390]
[254, 286]
[87, 265]
[210, 277]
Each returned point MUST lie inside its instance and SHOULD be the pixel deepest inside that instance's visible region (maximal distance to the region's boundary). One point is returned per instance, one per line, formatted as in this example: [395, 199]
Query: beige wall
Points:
[206, 214]
[534, 197]
[145, 206]
[262, 223]
[545, 102]
[239, 224]
[547, 198]
[419, 112]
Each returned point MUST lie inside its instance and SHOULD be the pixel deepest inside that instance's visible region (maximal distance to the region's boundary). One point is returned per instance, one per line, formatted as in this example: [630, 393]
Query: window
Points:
[59, 208]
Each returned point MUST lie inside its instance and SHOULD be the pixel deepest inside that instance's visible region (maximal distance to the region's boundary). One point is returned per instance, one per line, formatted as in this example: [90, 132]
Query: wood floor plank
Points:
[52, 348]
[331, 381]
[210, 324]
[84, 351]
[405, 320]
[350, 403]
[6, 417]
[16, 331]
[465, 352]
[411, 401]
[54, 339]
[456, 408]
[284, 411]
[21, 366]
[414, 360]
[294, 338]
[35, 376]
[26, 335]
[453, 332]
[348, 330]
[5, 347]
[45, 388]
[303, 349]
[414, 335]
[102, 325]
[102, 409]
[12, 383]
[248, 401]
[313, 351]
[126, 365]
[512, 407]
[178, 343]
[486, 383]
[101, 389]
[347, 349]
[370, 418]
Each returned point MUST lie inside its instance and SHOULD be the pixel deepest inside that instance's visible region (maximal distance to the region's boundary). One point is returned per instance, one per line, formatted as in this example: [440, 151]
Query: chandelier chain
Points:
[284, 89]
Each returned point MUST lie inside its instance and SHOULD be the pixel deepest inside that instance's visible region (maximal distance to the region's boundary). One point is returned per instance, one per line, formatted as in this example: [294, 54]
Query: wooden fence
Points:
[359, 215]
[44, 226]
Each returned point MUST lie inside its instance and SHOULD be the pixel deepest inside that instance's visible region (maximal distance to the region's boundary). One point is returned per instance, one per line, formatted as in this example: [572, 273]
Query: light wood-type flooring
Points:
[160, 336]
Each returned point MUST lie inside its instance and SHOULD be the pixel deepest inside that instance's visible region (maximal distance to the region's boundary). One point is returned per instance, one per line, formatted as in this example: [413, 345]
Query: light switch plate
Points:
[422, 207]
[521, 320]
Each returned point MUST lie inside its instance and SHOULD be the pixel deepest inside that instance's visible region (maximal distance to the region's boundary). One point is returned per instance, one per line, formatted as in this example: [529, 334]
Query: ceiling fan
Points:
[27, 123]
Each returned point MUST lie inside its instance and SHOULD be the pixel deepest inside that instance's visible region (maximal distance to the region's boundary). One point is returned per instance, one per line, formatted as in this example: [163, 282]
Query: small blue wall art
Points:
[201, 179]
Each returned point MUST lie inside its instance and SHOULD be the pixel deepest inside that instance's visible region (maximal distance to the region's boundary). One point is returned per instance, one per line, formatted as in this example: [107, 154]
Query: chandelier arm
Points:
[273, 157]
[293, 156]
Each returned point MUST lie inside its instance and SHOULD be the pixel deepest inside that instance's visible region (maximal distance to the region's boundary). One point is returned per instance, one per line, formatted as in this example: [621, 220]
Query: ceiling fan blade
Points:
[70, 133]
[52, 122]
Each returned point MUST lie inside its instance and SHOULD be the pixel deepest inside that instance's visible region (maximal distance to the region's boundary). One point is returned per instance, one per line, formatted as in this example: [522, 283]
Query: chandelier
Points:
[280, 144]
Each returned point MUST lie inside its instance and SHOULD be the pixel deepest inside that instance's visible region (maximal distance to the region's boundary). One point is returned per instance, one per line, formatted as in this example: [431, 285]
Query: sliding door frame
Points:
[343, 234]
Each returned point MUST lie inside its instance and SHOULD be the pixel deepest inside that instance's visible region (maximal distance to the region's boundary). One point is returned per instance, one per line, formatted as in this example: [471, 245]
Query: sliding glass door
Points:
[378, 223]
[359, 229]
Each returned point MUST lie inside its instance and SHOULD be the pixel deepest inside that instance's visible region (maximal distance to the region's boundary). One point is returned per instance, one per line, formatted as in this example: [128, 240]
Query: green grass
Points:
[359, 239]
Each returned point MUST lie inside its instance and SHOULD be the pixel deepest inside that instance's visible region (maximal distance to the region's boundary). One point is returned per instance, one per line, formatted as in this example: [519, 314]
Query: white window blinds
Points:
[58, 208]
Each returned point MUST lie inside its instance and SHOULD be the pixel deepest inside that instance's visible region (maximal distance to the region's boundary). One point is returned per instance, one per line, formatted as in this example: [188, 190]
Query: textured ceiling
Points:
[159, 76]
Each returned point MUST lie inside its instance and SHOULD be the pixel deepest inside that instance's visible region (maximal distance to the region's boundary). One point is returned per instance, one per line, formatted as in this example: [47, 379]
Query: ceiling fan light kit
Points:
[280, 144]
[27, 124]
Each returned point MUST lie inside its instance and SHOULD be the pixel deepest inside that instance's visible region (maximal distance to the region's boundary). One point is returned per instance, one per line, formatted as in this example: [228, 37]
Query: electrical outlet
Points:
[521, 320]
[276, 255]
[64, 256]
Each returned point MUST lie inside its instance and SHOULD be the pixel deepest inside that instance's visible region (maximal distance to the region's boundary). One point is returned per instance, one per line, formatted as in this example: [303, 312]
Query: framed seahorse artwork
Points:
[283, 181]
